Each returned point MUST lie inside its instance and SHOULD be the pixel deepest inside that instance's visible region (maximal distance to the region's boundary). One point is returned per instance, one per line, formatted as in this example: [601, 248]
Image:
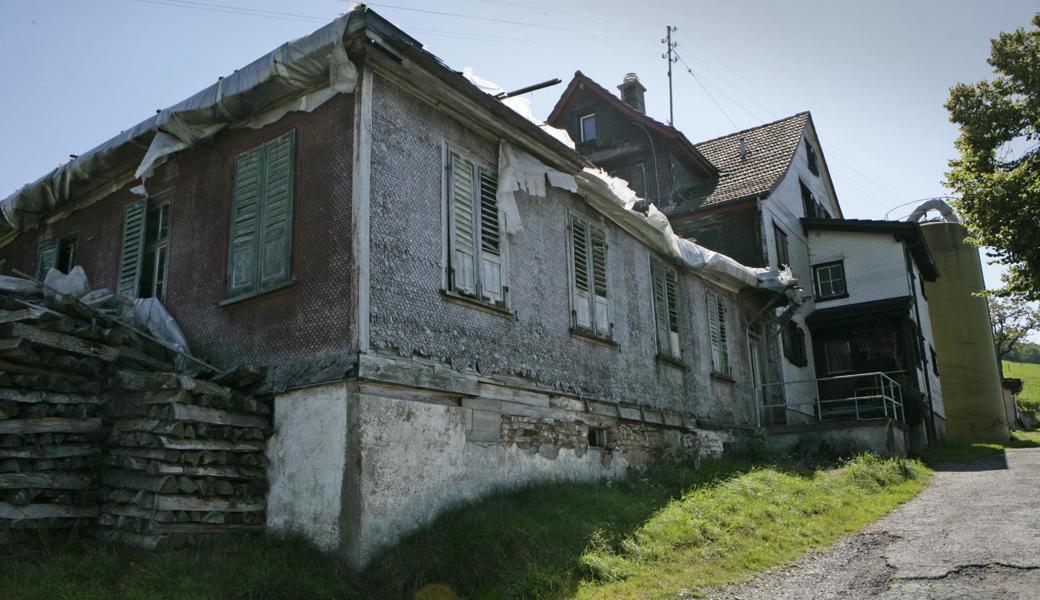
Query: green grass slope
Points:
[1029, 373]
[652, 534]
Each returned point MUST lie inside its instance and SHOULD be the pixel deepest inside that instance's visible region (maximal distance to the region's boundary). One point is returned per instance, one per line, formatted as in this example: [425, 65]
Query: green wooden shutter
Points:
[714, 333]
[580, 256]
[135, 217]
[660, 308]
[598, 244]
[463, 224]
[723, 341]
[490, 237]
[276, 211]
[672, 294]
[245, 208]
[46, 258]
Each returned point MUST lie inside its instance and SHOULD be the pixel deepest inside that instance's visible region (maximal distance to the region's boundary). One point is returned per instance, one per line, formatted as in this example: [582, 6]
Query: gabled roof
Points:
[681, 145]
[771, 149]
[908, 232]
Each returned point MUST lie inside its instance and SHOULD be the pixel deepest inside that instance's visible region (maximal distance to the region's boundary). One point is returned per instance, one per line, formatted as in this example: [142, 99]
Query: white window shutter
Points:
[463, 229]
[490, 238]
[598, 244]
[135, 217]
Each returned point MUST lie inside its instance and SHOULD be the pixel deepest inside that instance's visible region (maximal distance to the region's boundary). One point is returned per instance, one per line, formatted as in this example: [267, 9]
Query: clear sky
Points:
[874, 74]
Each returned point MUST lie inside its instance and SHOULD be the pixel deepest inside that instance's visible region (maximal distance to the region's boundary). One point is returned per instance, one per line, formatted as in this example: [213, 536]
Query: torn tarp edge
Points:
[614, 198]
[518, 171]
[315, 59]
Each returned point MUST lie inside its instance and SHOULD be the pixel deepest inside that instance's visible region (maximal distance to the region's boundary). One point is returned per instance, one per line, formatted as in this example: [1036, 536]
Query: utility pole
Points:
[670, 56]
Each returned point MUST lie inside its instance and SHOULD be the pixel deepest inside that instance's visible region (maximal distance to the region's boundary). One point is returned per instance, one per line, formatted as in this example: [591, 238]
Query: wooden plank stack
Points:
[184, 461]
[97, 431]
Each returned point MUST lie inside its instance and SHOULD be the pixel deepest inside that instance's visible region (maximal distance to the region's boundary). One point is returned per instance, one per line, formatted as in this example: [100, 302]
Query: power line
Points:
[237, 10]
[703, 87]
[475, 18]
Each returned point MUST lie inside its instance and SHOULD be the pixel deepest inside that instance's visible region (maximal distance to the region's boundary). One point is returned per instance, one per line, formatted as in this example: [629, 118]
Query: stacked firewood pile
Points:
[184, 460]
[98, 431]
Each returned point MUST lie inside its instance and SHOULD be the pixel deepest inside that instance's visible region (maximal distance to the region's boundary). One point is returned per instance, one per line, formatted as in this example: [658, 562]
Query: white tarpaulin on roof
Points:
[272, 83]
[518, 171]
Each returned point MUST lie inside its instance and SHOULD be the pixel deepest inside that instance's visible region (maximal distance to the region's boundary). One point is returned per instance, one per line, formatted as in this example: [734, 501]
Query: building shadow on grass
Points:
[529, 542]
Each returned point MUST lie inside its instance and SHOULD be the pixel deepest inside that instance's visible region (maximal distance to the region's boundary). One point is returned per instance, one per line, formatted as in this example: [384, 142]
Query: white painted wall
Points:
[875, 266]
[784, 209]
[308, 455]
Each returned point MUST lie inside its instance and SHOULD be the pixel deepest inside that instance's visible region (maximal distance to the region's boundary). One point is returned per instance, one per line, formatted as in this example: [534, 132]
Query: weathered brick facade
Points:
[296, 329]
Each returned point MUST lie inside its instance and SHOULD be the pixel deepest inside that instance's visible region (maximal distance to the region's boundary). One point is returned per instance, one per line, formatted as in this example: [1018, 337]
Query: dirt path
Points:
[974, 532]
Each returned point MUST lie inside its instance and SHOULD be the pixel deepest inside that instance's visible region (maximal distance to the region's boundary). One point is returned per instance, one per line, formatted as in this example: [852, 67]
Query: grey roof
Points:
[771, 149]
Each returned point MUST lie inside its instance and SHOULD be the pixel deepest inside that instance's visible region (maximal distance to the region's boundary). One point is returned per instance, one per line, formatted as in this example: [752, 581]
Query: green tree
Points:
[997, 175]
[1014, 320]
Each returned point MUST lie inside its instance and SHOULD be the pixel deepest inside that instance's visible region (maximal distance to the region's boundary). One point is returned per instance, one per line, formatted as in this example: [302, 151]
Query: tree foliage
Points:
[1014, 320]
[997, 175]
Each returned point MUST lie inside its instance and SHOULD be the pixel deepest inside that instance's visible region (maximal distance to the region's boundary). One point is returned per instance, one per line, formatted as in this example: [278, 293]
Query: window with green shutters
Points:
[57, 254]
[665, 284]
[590, 303]
[718, 334]
[261, 217]
[145, 247]
[476, 257]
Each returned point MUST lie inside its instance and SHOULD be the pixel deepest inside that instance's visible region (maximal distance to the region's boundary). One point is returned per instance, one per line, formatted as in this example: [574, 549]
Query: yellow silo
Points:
[963, 334]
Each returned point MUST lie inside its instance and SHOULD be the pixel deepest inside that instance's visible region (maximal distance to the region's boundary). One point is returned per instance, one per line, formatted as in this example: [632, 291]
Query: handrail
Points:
[883, 392]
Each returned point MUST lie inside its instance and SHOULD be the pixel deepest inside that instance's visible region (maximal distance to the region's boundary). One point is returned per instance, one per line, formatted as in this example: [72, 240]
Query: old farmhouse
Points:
[448, 297]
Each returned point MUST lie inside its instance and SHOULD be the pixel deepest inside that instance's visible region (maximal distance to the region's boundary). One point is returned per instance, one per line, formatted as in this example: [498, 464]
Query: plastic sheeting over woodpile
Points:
[253, 96]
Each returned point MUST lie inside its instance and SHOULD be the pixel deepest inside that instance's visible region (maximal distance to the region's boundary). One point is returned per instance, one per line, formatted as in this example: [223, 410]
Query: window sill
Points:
[592, 337]
[722, 377]
[250, 295]
[494, 309]
[671, 361]
[819, 299]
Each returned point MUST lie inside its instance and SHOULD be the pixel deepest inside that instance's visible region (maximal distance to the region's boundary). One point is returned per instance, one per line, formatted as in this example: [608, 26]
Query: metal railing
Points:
[857, 396]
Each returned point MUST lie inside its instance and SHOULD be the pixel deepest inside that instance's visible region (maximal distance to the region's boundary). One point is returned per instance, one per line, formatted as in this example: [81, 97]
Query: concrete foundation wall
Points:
[420, 453]
[883, 437]
[308, 462]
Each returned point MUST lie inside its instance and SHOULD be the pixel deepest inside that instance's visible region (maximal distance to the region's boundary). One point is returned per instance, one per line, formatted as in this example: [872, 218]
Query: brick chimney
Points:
[632, 92]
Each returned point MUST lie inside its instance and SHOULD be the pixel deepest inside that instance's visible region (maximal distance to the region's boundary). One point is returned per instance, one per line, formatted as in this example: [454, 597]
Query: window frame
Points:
[812, 158]
[55, 246]
[935, 360]
[827, 356]
[718, 334]
[581, 127]
[162, 200]
[794, 346]
[783, 252]
[449, 285]
[603, 331]
[817, 289]
[672, 321]
[257, 288]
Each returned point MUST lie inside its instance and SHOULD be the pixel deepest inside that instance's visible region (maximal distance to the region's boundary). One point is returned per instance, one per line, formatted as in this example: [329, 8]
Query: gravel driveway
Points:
[974, 532]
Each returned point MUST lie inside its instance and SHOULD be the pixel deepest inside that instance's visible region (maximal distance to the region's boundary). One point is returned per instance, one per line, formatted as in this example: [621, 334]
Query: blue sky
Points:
[874, 74]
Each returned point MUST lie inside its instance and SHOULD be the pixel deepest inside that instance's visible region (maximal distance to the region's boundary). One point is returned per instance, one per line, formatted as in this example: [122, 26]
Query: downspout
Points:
[653, 153]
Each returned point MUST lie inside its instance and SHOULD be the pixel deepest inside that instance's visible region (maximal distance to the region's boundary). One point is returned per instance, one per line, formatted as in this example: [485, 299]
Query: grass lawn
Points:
[650, 535]
[1029, 399]
[966, 452]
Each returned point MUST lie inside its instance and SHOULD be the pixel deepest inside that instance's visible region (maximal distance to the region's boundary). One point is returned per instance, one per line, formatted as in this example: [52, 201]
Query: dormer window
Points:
[811, 154]
[588, 127]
